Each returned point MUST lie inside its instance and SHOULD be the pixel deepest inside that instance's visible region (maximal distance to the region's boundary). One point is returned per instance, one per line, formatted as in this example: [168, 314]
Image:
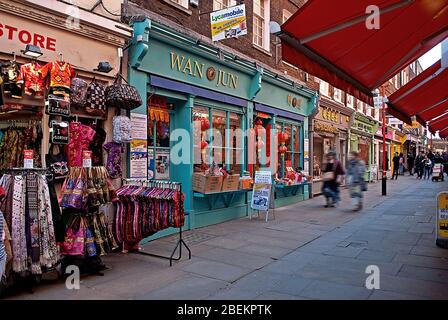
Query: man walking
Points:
[410, 162]
[356, 170]
[419, 166]
[396, 162]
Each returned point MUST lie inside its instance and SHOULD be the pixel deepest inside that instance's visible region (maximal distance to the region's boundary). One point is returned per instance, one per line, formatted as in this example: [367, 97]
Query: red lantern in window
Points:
[282, 150]
[282, 137]
[205, 124]
[258, 122]
[260, 130]
[204, 145]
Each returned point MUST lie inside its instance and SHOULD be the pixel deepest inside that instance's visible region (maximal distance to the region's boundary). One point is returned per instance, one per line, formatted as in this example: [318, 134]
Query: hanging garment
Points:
[80, 138]
[113, 166]
[10, 74]
[19, 242]
[59, 73]
[29, 78]
[143, 211]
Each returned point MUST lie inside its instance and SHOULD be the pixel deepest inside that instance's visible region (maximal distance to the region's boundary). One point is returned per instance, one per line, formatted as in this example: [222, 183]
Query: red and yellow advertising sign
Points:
[442, 215]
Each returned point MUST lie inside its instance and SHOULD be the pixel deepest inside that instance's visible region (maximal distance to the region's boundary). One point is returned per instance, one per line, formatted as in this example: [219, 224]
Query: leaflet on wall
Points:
[228, 23]
[151, 163]
[139, 159]
[261, 192]
[139, 128]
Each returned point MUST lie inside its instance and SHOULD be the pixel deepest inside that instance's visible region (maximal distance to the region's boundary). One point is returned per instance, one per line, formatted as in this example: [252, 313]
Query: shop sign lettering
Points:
[197, 69]
[331, 115]
[325, 127]
[294, 101]
[12, 33]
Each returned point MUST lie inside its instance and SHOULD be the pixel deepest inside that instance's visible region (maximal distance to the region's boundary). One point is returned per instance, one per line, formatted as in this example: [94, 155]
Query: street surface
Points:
[307, 252]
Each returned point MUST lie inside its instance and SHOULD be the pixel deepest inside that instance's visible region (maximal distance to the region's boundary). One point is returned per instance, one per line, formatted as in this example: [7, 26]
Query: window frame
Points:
[221, 5]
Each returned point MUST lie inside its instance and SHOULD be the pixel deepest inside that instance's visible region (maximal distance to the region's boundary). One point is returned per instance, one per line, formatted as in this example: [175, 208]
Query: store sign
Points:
[324, 127]
[228, 23]
[196, 69]
[361, 126]
[261, 192]
[15, 33]
[294, 101]
[28, 159]
[331, 115]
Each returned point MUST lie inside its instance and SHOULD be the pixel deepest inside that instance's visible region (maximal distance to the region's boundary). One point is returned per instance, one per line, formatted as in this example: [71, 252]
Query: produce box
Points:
[231, 182]
[206, 184]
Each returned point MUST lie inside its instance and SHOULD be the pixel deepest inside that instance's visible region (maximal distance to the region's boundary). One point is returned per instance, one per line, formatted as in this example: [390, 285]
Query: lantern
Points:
[282, 137]
[205, 124]
[282, 150]
[258, 122]
[204, 144]
[260, 145]
[260, 130]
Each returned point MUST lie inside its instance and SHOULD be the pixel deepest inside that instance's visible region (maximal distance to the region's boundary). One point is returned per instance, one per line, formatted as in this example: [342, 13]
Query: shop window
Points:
[222, 4]
[261, 18]
[337, 95]
[159, 128]
[217, 141]
[289, 137]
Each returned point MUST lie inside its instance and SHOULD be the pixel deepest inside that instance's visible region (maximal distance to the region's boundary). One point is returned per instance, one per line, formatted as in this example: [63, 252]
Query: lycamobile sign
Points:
[228, 23]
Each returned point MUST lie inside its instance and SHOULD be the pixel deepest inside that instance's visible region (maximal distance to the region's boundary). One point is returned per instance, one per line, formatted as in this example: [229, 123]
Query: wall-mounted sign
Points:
[324, 127]
[228, 23]
[197, 69]
[294, 101]
[331, 115]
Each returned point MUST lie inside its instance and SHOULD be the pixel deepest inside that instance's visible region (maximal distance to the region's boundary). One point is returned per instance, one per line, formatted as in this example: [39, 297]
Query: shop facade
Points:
[221, 105]
[331, 131]
[362, 133]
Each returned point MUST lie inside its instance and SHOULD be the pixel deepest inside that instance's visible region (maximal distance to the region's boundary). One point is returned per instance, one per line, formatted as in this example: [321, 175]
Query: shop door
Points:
[159, 145]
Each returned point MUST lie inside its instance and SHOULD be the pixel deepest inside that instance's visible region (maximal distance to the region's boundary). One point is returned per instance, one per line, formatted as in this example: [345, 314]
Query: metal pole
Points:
[384, 179]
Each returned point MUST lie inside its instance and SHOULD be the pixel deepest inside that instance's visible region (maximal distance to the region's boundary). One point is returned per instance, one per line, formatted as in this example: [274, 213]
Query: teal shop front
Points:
[201, 101]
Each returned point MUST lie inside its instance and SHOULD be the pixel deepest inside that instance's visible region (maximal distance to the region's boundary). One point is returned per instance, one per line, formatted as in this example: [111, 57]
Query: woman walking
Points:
[332, 175]
[401, 163]
[356, 170]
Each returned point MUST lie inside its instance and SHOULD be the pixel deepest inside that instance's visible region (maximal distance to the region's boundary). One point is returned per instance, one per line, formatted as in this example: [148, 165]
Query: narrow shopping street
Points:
[307, 252]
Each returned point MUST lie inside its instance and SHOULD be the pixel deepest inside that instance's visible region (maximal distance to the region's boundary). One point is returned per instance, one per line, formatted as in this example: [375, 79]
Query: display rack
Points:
[180, 242]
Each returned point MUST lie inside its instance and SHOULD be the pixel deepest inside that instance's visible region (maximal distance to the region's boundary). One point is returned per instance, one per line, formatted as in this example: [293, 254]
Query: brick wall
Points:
[200, 23]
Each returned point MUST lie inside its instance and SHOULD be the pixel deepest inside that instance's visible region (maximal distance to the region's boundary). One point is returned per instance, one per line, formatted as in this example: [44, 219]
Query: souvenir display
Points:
[30, 79]
[123, 95]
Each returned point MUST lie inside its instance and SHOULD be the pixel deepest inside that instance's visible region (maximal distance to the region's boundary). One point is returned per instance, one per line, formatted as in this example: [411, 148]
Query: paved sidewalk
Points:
[307, 252]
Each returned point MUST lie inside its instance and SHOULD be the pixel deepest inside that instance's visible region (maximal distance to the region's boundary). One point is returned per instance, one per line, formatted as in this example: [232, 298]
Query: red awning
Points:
[329, 39]
[444, 134]
[439, 124]
[425, 96]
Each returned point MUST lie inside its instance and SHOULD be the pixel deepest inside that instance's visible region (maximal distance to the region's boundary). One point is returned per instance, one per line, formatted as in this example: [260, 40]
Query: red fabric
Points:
[439, 124]
[60, 73]
[425, 96]
[29, 76]
[371, 57]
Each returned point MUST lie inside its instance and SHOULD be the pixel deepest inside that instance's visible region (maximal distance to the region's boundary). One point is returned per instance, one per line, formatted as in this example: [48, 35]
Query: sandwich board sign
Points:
[228, 23]
[442, 220]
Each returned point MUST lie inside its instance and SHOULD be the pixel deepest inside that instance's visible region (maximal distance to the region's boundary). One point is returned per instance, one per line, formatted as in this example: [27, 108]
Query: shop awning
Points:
[444, 134]
[439, 124]
[330, 39]
[425, 96]
[278, 112]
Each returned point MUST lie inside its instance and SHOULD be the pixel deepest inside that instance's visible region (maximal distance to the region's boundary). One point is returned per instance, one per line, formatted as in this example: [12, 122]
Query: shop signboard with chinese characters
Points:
[442, 220]
[228, 23]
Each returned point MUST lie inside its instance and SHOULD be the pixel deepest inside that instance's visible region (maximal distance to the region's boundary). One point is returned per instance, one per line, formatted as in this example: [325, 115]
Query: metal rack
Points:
[167, 185]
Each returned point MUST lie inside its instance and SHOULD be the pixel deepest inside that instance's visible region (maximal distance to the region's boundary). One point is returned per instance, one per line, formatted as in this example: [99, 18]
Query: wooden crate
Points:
[207, 184]
[231, 182]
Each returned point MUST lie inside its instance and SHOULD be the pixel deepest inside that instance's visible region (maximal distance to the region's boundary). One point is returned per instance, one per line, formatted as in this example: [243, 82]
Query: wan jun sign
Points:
[228, 23]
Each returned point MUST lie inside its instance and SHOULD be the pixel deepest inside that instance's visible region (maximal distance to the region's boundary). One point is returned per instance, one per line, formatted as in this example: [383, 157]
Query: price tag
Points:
[87, 159]
[28, 159]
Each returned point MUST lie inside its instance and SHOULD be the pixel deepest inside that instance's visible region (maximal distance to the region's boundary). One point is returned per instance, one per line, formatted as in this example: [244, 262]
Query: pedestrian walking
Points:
[419, 164]
[428, 165]
[356, 170]
[332, 175]
[401, 163]
[431, 157]
[410, 162]
[396, 163]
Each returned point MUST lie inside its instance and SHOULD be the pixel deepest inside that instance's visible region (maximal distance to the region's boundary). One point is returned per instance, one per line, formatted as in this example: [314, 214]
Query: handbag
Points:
[121, 129]
[89, 240]
[96, 99]
[78, 88]
[75, 191]
[123, 95]
[74, 240]
[57, 163]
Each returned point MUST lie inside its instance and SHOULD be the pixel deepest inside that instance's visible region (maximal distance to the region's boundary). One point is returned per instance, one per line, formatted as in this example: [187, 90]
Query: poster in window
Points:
[162, 165]
[139, 159]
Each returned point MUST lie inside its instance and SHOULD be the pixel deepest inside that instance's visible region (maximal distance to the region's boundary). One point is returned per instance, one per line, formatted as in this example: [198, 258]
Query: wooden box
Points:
[206, 184]
[231, 182]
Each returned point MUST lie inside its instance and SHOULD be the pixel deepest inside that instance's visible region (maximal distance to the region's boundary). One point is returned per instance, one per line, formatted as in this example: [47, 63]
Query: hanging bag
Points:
[78, 96]
[121, 129]
[96, 99]
[74, 241]
[123, 95]
[57, 163]
[75, 192]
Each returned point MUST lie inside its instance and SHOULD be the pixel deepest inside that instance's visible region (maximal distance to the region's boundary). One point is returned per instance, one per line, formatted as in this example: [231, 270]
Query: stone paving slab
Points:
[329, 290]
[217, 270]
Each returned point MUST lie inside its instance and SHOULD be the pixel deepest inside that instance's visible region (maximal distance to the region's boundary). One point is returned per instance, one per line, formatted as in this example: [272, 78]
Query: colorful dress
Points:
[113, 165]
[80, 137]
[31, 80]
